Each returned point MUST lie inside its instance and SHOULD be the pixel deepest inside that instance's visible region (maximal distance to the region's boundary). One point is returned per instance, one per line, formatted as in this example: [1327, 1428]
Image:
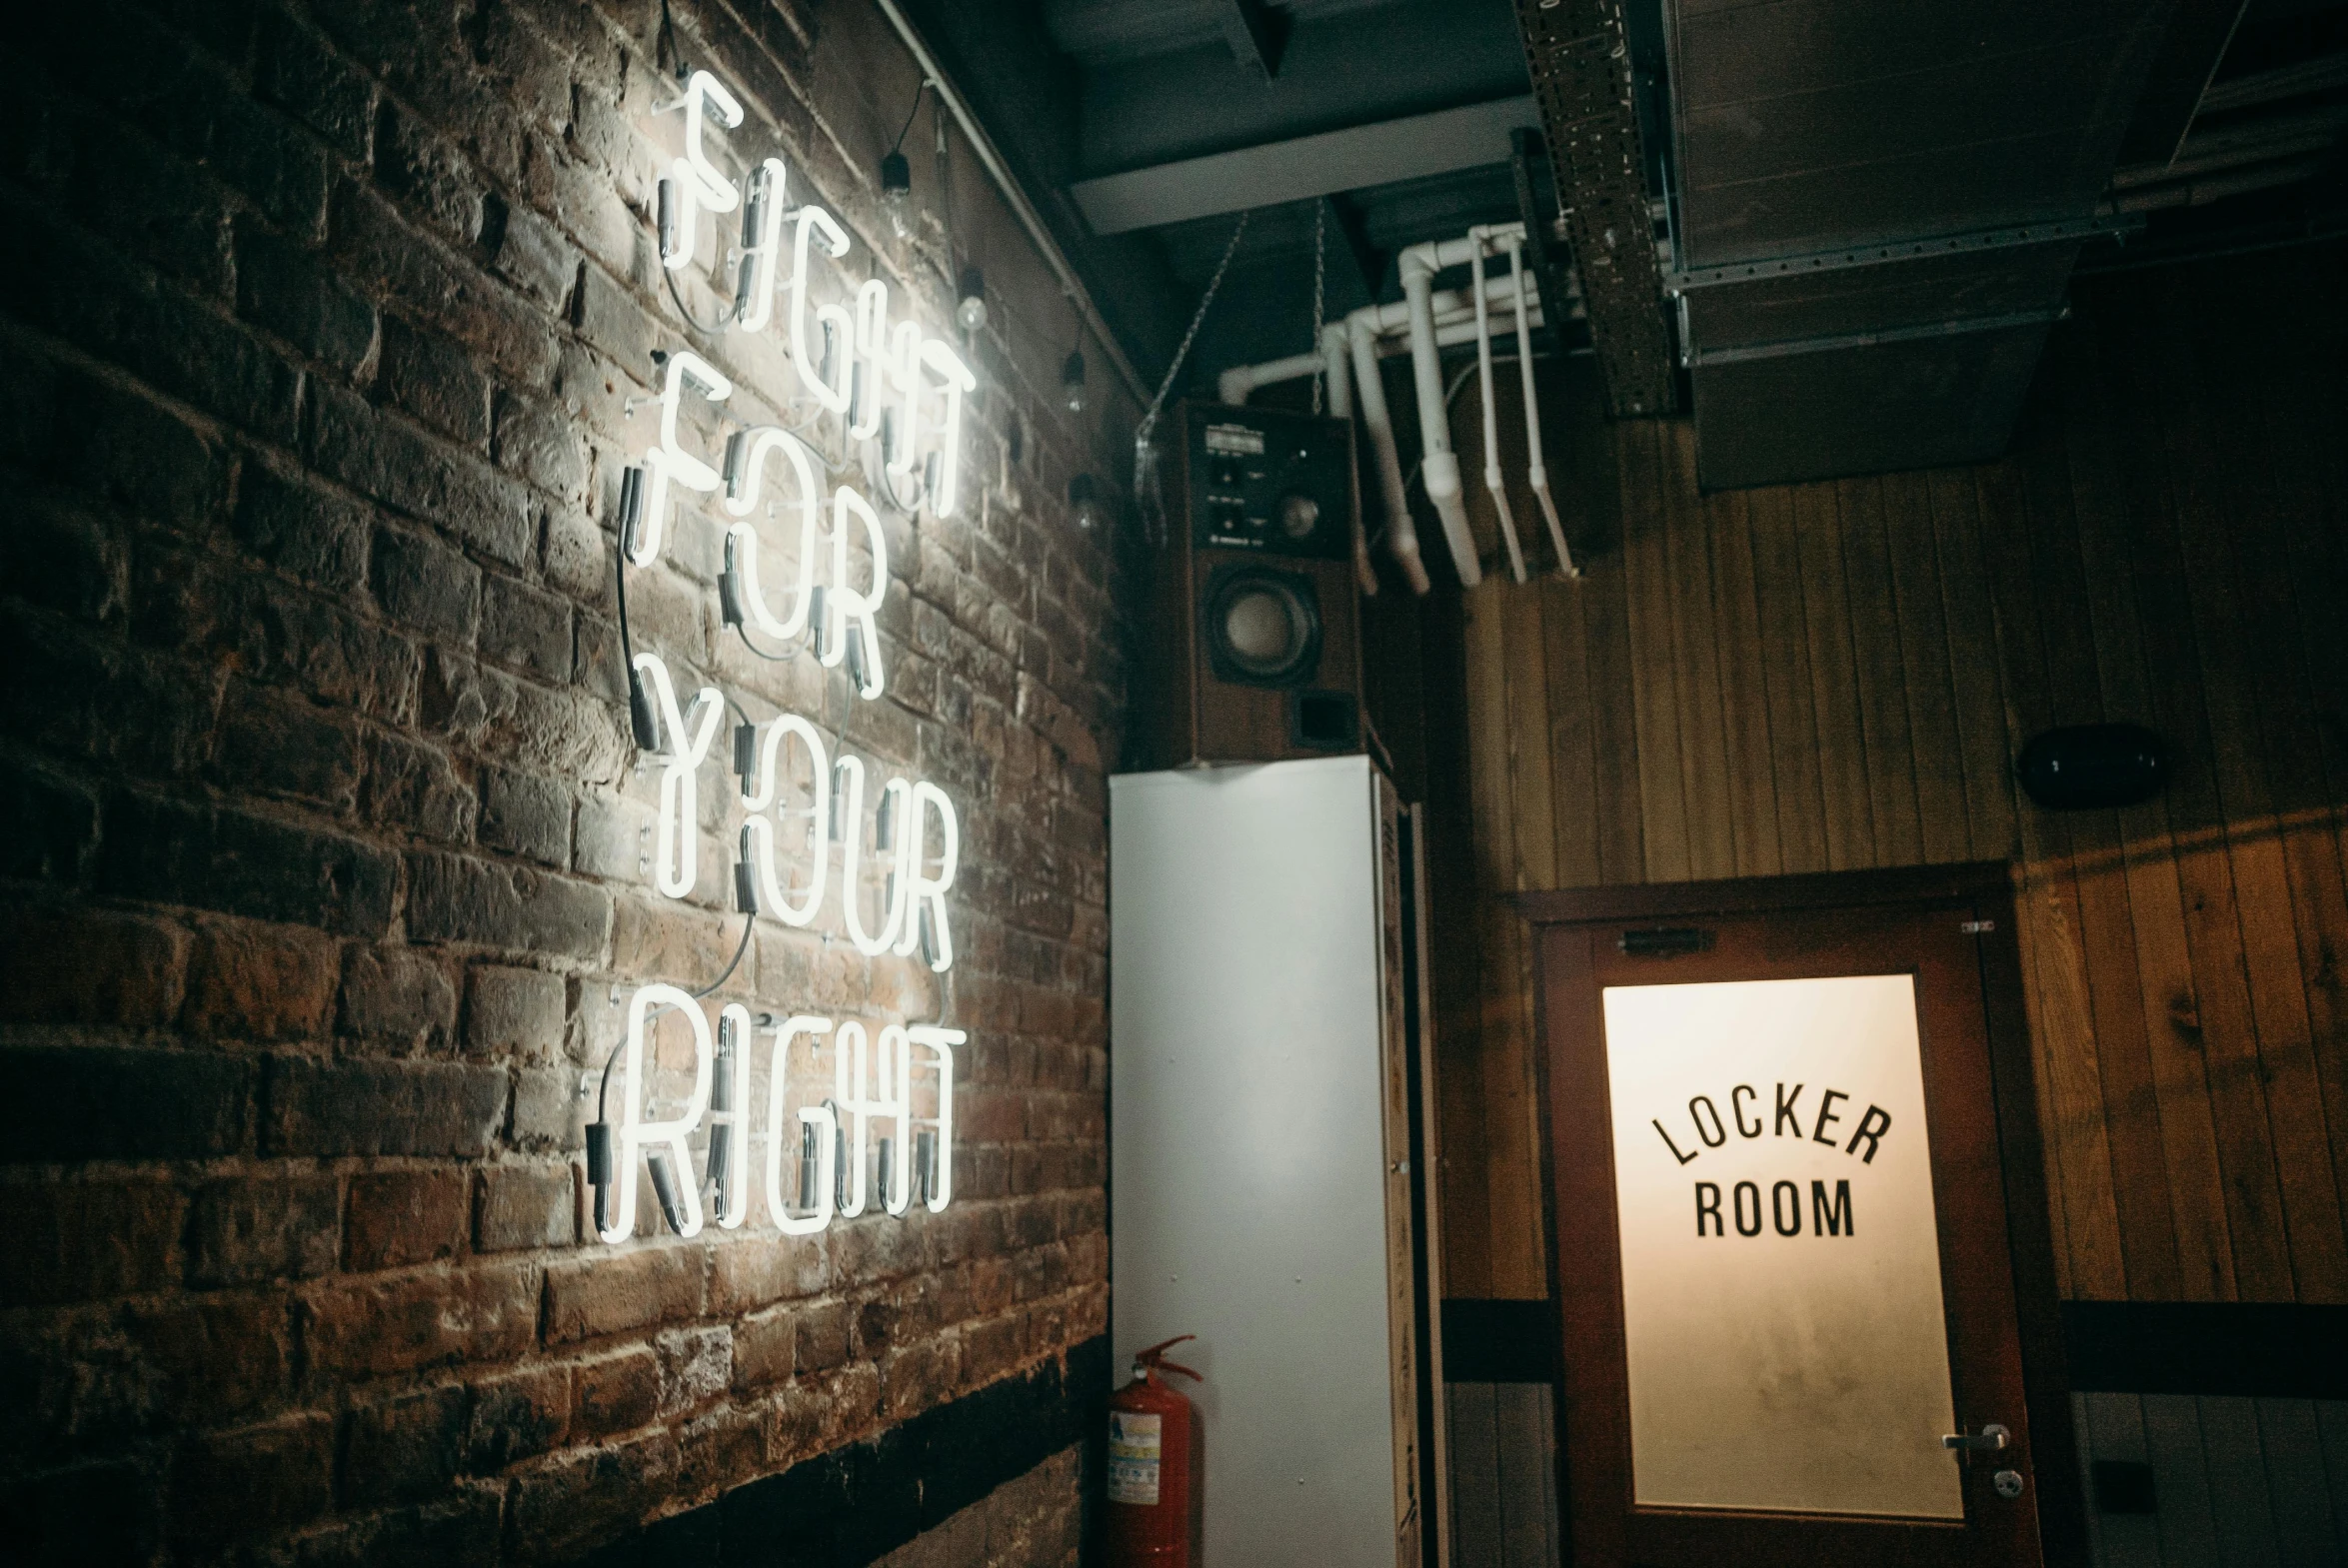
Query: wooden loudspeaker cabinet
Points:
[1253, 650]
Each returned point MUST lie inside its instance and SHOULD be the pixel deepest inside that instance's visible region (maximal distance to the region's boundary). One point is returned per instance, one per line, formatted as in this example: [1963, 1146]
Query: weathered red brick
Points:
[249, 1230]
[615, 1393]
[253, 1482]
[85, 967]
[611, 1292]
[398, 1218]
[517, 1416]
[260, 982]
[74, 1241]
[524, 1206]
[372, 1328]
[403, 1448]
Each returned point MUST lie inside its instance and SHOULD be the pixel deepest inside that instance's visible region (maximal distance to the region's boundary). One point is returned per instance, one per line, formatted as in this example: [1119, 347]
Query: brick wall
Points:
[322, 873]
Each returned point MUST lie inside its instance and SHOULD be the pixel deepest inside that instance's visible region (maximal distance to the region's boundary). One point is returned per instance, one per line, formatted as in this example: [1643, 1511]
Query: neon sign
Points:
[869, 1141]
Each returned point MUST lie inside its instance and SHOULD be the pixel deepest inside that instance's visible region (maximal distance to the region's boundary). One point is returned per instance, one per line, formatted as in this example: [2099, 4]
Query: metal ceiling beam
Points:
[1581, 76]
[1256, 33]
[1306, 167]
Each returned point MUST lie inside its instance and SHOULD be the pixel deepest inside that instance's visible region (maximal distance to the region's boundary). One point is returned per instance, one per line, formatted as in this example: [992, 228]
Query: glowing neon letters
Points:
[884, 1110]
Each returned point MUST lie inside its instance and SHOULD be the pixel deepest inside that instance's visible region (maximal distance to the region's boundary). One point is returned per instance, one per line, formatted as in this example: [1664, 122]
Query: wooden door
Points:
[1798, 1226]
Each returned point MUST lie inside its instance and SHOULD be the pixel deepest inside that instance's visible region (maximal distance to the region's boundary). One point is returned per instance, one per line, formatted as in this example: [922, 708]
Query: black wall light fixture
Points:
[2084, 768]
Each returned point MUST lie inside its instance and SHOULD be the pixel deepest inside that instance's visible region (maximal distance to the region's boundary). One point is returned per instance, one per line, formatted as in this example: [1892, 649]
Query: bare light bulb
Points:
[970, 313]
[1072, 380]
[897, 193]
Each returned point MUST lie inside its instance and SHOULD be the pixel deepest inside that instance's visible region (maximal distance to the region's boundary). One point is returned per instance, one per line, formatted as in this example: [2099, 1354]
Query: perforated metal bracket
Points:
[1580, 65]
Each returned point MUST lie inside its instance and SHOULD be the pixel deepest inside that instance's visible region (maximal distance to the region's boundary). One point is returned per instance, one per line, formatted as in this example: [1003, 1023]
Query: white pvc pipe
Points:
[1338, 373]
[1438, 464]
[1492, 420]
[1401, 535]
[1234, 384]
[1539, 475]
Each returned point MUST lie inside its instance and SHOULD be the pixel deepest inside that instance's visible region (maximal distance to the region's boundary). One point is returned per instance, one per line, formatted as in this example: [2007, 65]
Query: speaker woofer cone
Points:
[1262, 627]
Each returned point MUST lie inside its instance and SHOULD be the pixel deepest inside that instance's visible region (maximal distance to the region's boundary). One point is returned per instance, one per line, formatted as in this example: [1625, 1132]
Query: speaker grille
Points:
[1263, 625]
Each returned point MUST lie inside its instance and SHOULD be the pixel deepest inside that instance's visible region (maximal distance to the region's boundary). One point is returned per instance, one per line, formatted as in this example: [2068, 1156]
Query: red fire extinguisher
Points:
[1156, 1461]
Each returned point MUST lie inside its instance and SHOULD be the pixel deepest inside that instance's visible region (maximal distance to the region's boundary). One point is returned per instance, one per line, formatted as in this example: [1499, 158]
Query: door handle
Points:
[1992, 1437]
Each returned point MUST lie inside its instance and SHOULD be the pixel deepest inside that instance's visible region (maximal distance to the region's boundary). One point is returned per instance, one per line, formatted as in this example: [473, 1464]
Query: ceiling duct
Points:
[1875, 214]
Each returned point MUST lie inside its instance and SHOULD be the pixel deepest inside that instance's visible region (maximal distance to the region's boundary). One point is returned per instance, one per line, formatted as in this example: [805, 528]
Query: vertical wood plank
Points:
[2238, 1501]
[2331, 1420]
[1883, 700]
[2115, 1431]
[1653, 679]
[1696, 662]
[1784, 657]
[2204, 1270]
[1623, 856]
[1524, 674]
[1475, 1481]
[2070, 1087]
[1937, 753]
[1835, 679]
[1745, 695]
[2084, 847]
[2306, 1530]
[2180, 1479]
[1573, 734]
[2278, 998]
[2219, 1021]
[1521, 1434]
[1973, 670]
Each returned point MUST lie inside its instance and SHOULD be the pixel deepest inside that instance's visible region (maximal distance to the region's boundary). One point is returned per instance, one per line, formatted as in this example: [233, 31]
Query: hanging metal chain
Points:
[1146, 490]
[1319, 259]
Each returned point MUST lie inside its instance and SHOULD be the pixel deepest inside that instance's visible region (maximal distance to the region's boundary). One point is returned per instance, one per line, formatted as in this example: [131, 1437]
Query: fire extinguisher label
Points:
[1133, 1457]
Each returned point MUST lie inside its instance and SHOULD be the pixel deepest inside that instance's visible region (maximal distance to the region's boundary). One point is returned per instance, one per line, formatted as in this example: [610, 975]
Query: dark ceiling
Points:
[1144, 128]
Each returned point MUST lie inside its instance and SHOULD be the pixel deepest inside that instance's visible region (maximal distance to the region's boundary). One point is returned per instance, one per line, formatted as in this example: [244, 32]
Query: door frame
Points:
[1978, 891]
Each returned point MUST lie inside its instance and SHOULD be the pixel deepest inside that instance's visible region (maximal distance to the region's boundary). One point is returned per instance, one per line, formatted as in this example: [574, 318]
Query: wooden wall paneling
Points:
[1476, 1479]
[1654, 683]
[1936, 745]
[2163, 968]
[1696, 660]
[2070, 1088]
[2274, 481]
[1883, 700]
[2269, 942]
[2086, 848]
[1456, 949]
[1571, 732]
[2112, 1429]
[1972, 658]
[1528, 1448]
[1834, 681]
[2238, 1502]
[1605, 590]
[1783, 652]
[2299, 405]
[2305, 1529]
[1525, 671]
[2216, 1018]
[1502, 1034]
[1745, 693]
[2331, 1420]
[2180, 1479]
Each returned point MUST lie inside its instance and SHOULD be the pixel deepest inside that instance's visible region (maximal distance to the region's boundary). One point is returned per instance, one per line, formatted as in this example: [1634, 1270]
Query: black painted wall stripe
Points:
[846, 1508]
[2275, 1350]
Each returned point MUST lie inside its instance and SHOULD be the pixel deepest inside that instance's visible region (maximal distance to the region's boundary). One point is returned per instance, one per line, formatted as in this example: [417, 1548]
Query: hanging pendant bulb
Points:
[970, 313]
[1072, 380]
[1085, 500]
[897, 193]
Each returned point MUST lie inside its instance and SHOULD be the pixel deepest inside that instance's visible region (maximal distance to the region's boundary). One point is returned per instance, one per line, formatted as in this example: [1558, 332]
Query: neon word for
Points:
[871, 1110]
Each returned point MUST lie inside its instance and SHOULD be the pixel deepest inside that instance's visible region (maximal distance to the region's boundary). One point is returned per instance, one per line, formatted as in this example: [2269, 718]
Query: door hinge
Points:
[1976, 928]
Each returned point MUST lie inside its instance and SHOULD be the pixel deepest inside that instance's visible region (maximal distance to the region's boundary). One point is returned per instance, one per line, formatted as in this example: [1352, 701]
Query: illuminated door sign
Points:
[824, 839]
[1786, 1343]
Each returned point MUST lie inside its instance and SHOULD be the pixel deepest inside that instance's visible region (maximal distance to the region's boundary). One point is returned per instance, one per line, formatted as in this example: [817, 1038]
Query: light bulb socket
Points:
[971, 312]
[1087, 502]
[1072, 380]
[896, 177]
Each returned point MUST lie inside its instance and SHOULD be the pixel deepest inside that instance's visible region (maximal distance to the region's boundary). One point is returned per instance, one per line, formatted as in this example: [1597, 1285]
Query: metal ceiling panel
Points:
[1847, 301]
[1911, 403]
